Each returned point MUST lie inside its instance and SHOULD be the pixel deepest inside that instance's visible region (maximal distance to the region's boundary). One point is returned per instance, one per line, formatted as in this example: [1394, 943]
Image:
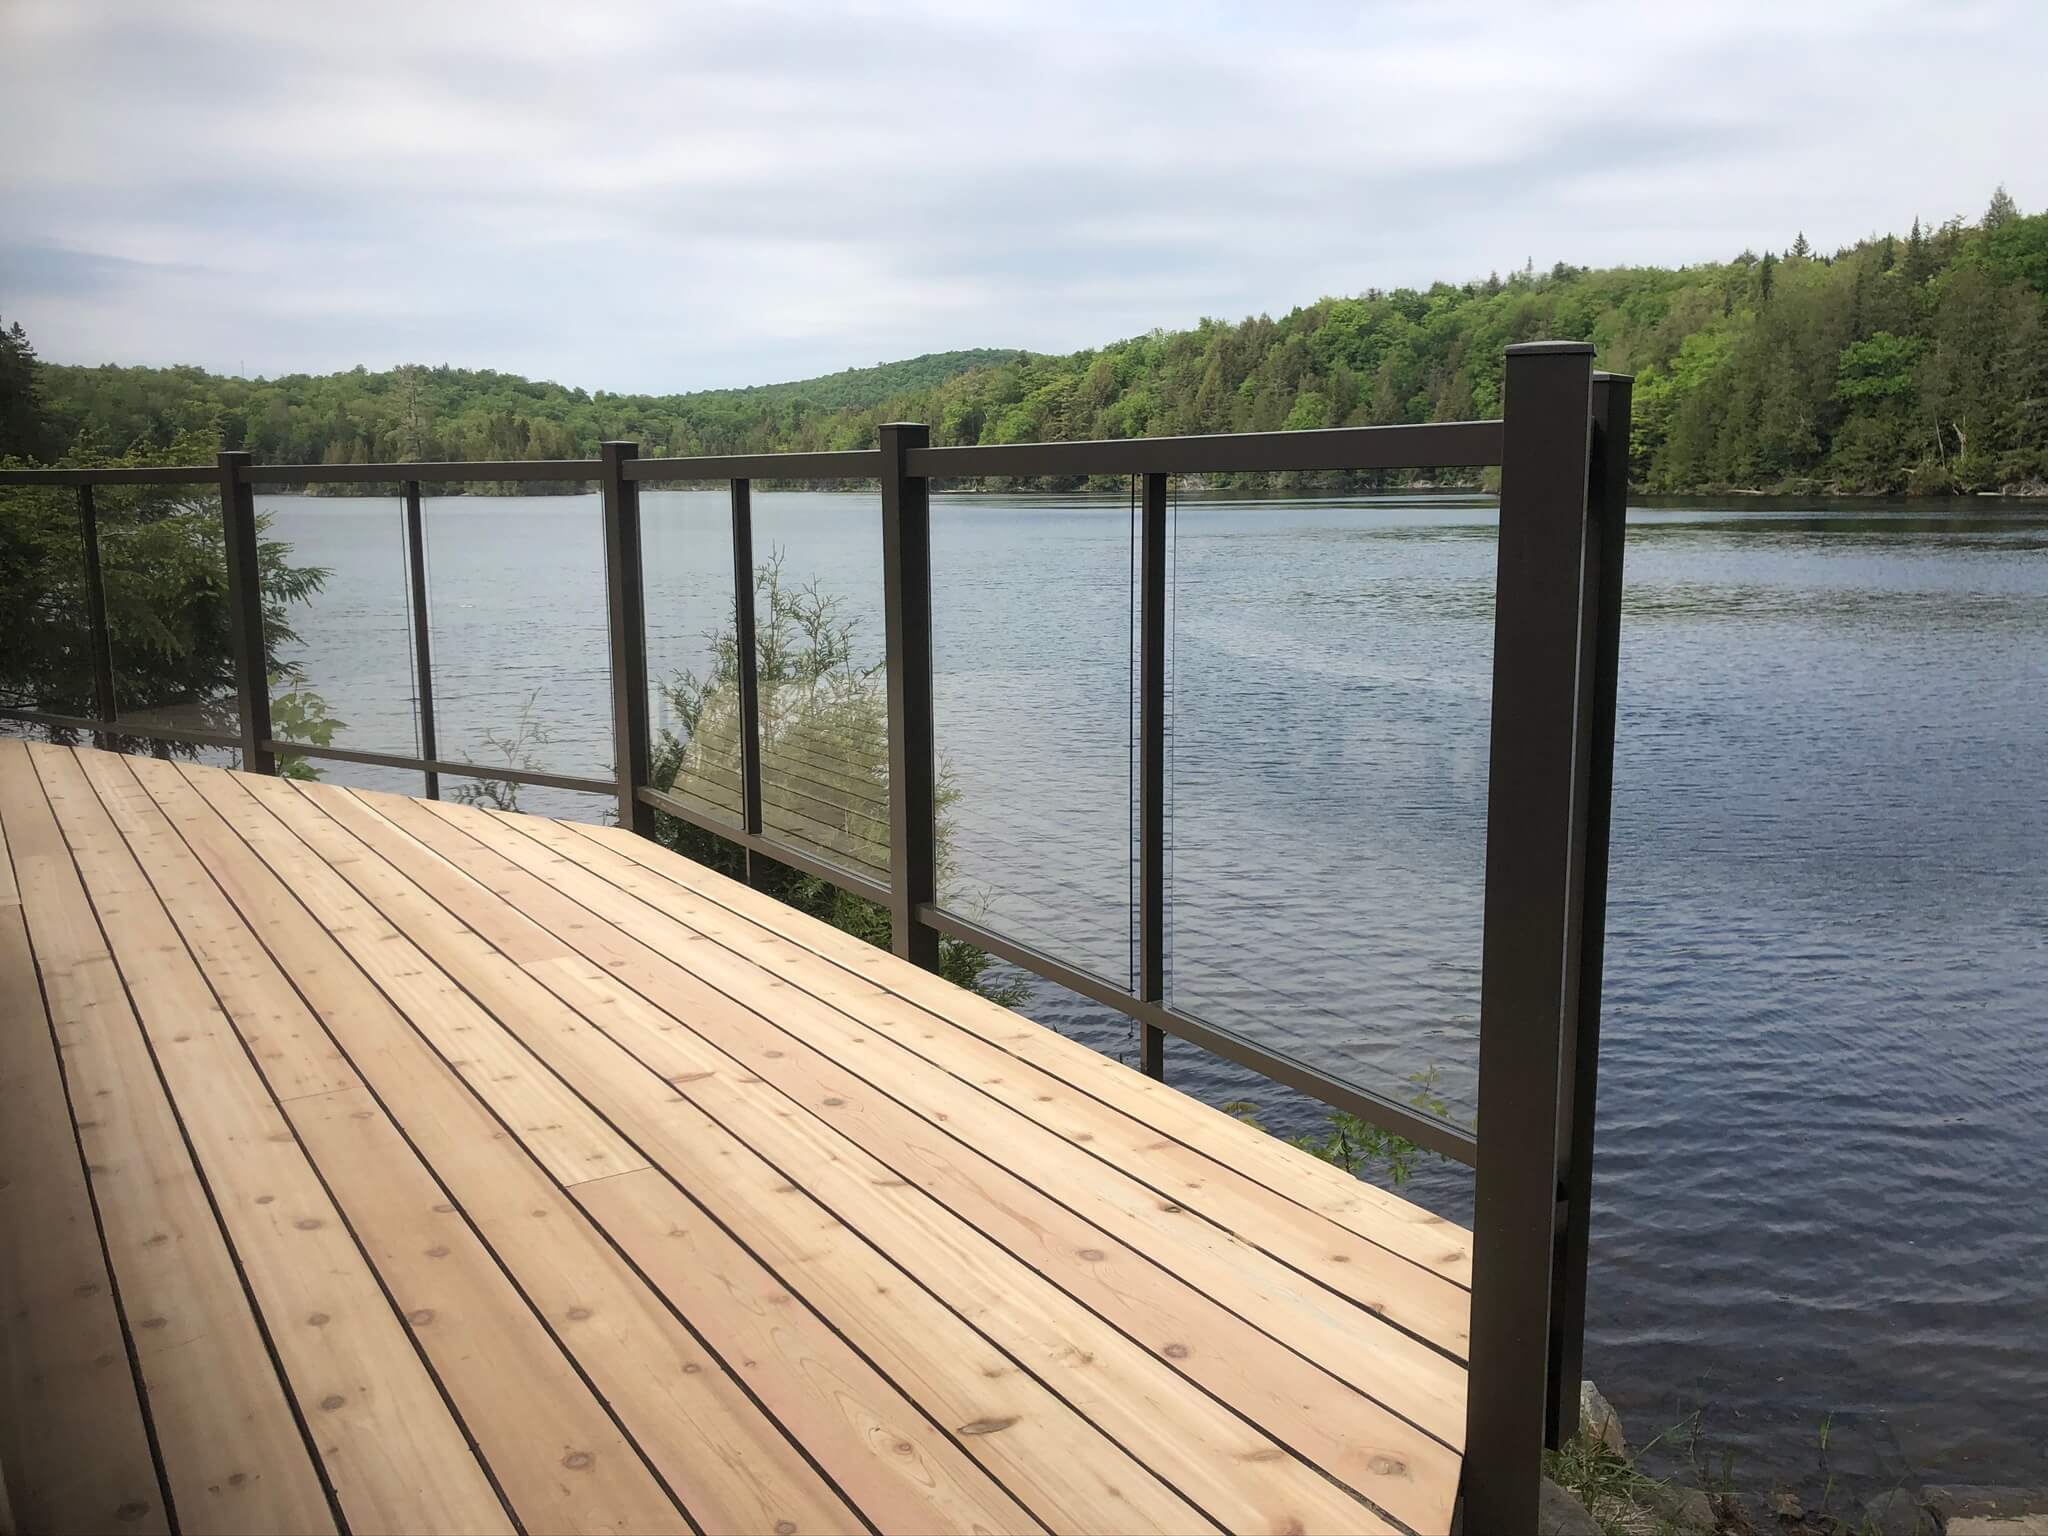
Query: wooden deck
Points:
[381, 1165]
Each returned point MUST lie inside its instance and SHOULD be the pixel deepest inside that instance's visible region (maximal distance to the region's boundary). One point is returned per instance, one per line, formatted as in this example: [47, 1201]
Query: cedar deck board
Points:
[868, 1252]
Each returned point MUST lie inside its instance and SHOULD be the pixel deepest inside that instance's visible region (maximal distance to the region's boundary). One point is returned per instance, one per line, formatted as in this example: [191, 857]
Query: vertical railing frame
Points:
[749, 662]
[1539, 779]
[1608, 514]
[245, 610]
[907, 622]
[422, 634]
[1152, 770]
[99, 639]
[632, 747]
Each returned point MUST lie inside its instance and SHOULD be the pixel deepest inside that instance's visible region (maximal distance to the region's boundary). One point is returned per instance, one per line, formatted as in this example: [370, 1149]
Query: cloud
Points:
[644, 196]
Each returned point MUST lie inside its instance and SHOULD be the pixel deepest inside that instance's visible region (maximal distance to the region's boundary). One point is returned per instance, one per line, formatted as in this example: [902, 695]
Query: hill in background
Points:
[1901, 363]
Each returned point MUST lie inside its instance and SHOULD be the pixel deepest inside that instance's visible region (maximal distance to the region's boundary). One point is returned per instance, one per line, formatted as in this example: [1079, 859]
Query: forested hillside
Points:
[415, 413]
[1902, 363]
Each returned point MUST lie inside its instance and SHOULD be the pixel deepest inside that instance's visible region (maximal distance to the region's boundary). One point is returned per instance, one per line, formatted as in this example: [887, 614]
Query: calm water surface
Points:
[1822, 1182]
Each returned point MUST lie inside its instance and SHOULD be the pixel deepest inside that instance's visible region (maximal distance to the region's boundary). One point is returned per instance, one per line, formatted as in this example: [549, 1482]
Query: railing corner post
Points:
[1607, 517]
[245, 610]
[626, 597]
[907, 619]
[1538, 781]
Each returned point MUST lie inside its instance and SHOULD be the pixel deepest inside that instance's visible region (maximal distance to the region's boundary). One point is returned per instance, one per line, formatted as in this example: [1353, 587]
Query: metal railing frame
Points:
[1561, 445]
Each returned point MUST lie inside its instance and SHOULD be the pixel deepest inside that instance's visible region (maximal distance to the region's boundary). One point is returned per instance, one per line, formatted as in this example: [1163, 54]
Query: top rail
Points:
[447, 470]
[1434, 445]
[179, 474]
[1431, 445]
[848, 464]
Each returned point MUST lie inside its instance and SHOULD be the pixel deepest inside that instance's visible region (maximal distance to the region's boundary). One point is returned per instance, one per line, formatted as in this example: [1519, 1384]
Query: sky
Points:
[671, 196]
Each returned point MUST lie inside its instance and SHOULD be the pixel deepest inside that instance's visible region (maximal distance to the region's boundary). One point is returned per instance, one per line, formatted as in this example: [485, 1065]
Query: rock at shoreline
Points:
[1687, 1509]
[1559, 1513]
[1978, 1511]
[1898, 1513]
[1975, 1500]
[1598, 1420]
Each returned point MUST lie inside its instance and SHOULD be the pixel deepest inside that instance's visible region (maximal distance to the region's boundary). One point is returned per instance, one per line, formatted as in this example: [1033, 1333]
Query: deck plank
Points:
[732, 1469]
[1065, 1472]
[651, 1202]
[517, 1394]
[901, 1470]
[1134, 1394]
[292, 1051]
[392, 1449]
[74, 1452]
[893, 1465]
[1384, 1282]
[1401, 1371]
[233, 1457]
[1416, 1233]
[1331, 1424]
[572, 1143]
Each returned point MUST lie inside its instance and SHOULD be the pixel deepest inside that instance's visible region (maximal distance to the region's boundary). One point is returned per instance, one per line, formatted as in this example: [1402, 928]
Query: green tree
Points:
[26, 431]
[824, 749]
[1981, 382]
[1877, 369]
[164, 565]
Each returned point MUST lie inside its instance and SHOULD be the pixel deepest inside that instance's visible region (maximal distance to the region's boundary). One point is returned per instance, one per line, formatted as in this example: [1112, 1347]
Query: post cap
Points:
[1543, 348]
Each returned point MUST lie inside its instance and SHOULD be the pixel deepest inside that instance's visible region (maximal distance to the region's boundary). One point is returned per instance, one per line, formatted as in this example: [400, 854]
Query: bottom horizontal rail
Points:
[132, 728]
[438, 765]
[767, 847]
[1436, 1135]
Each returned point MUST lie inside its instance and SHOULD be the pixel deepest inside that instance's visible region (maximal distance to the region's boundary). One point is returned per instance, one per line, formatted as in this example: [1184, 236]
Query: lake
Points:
[1821, 1190]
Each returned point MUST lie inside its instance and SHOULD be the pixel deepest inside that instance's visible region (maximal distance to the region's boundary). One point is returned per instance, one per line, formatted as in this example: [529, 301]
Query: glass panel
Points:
[343, 671]
[46, 660]
[165, 565]
[1331, 683]
[820, 642]
[1033, 665]
[692, 664]
[522, 656]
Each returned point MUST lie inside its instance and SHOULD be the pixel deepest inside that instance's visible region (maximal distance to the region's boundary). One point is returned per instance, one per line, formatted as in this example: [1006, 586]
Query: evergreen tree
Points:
[25, 428]
[1919, 263]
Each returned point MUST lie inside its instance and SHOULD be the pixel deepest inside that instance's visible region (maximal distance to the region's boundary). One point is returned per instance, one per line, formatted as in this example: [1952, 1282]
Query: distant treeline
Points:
[1911, 363]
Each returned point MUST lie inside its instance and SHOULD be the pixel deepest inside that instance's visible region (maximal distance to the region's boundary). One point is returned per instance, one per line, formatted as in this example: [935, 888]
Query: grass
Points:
[1623, 1499]
[1611, 1488]
[1357, 1145]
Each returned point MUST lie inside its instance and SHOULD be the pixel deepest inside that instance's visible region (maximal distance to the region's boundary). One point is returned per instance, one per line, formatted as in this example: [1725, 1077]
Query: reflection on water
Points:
[1822, 1171]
